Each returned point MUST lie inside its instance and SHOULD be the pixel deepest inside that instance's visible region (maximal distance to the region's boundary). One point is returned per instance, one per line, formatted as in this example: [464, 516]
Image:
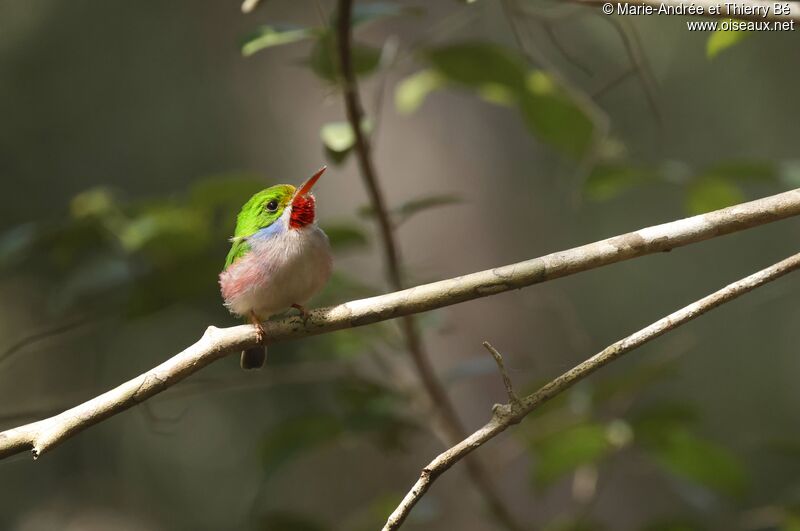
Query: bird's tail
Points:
[253, 358]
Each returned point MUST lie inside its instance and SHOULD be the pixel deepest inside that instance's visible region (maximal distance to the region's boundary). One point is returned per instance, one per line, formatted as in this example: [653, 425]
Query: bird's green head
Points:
[266, 208]
[263, 209]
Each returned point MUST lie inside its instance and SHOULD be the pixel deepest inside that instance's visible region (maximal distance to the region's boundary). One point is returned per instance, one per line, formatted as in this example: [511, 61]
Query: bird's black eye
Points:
[272, 206]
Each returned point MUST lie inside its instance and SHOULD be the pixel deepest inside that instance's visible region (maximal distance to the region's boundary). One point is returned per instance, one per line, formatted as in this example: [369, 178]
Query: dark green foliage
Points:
[144, 255]
[574, 431]
[501, 76]
[480, 64]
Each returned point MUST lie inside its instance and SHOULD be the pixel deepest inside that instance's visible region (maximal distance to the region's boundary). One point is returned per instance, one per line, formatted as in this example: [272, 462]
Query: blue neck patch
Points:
[267, 233]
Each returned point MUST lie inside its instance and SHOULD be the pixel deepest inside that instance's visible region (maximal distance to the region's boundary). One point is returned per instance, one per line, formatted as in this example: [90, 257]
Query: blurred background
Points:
[131, 133]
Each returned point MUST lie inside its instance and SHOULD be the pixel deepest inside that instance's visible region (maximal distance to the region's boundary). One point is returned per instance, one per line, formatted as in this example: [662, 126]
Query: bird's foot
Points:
[303, 312]
[261, 334]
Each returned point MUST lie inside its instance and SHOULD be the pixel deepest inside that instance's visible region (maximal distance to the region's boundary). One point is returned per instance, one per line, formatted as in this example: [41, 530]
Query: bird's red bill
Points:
[309, 183]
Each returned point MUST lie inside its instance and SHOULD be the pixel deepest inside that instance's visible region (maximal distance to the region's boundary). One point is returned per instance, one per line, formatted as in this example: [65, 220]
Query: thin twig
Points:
[638, 61]
[569, 56]
[506, 415]
[440, 400]
[613, 82]
[498, 358]
[216, 343]
[355, 115]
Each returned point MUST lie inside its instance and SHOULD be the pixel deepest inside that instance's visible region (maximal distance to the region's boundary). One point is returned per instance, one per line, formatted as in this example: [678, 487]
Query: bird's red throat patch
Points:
[303, 209]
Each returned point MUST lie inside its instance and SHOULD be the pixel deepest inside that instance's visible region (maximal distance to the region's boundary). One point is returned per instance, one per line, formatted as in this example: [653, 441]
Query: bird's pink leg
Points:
[303, 312]
[255, 321]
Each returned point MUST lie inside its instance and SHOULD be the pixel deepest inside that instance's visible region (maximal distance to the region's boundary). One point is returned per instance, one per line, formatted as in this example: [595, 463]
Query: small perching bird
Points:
[279, 258]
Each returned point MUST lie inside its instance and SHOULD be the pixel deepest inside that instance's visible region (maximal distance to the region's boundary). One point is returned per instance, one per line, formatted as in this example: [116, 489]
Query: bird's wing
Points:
[239, 248]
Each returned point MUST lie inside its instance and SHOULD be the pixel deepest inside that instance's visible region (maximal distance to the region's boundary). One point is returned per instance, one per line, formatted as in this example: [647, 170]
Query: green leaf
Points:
[501, 77]
[93, 203]
[712, 193]
[415, 206]
[561, 453]
[744, 171]
[324, 59]
[99, 206]
[607, 181]
[720, 40]
[165, 231]
[478, 65]
[703, 462]
[337, 136]
[559, 123]
[297, 435]
[406, 210]
[339, 139]
[553, 117]
[269, 36]
[412, 91]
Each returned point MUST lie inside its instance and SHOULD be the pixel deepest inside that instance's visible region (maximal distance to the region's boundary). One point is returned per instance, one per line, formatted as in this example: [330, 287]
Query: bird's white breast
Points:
[283, 268]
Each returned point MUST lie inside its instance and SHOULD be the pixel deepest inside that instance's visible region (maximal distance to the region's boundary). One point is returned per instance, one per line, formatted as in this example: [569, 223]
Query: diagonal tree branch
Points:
[216, 343]
[513, 412]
